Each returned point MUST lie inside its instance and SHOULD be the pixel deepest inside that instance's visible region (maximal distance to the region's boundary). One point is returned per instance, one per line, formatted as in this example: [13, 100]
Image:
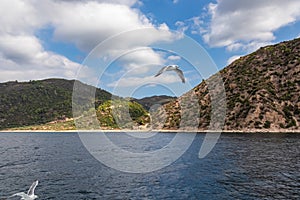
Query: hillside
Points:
[147, 102]
[262, 92]
[47, 105]
[112, 114]
[38, 102]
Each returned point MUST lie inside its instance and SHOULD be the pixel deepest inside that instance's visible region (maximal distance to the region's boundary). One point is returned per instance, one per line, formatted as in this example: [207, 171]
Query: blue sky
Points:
[95, 40]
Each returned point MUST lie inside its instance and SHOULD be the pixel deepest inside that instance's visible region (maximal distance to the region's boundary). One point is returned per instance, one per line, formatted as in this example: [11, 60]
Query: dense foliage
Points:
[38, 102]
[121, 114]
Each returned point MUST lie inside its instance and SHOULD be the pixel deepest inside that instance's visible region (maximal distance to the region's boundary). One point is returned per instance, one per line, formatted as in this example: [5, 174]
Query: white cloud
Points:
[137, 40]
[53, 66]
[83, 23]
[194, 25]
[173, 58]
[232, 59]
[96, 22]
[20, 48]
[23, 58]
[22, 55]
[141, 61]
[139, 81]
[124, 2]
[99, 21]
[175, 1]
[181, 27]
[19, 17]
[104, 20]
[236, 24]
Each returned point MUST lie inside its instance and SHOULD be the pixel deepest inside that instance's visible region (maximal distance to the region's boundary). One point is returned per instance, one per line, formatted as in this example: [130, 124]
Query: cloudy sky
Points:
[95, 40]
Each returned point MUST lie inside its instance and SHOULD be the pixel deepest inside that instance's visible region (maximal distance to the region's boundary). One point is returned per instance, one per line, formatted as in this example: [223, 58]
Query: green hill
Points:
[39, 102]
[121, 114]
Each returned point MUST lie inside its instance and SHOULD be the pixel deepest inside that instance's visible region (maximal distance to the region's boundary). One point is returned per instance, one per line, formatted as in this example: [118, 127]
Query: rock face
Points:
[262, 92]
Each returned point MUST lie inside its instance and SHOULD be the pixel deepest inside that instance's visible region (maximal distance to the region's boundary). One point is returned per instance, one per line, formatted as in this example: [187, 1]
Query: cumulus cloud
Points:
[138, 81]
[124, 2]
[22, 58]
[247, 25]
[141, 61]
[78, 22]
[54, 65]
[96, 22]
[19, 17]
[22, 55]
[20, 48]
[100, 20]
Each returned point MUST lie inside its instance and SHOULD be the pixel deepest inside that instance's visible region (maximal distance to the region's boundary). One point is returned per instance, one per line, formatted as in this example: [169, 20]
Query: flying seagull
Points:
[172, 68]
[30, 194]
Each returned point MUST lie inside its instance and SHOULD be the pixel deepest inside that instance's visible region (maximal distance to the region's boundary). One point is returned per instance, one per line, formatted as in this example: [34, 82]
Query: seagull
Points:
[30, 194]
[172, 68]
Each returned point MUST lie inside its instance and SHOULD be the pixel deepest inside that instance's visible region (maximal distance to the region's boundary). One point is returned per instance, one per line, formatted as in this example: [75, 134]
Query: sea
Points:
[239, 166]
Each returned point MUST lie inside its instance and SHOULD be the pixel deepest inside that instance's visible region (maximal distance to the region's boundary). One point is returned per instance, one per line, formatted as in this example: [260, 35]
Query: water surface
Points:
[241, 166]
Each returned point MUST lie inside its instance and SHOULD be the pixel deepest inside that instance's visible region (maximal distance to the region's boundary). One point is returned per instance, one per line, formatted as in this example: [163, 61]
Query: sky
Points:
[119, 45]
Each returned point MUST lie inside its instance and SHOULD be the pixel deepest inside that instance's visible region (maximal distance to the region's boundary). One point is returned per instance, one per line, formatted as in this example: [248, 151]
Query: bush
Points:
[115, 113]
[267, 124]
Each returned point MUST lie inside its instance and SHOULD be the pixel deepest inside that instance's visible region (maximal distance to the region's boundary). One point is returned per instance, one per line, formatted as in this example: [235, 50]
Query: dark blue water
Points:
[241, 166]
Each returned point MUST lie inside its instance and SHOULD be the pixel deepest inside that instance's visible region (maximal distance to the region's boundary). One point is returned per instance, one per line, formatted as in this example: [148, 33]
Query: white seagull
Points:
[172, 68]
[30, 194]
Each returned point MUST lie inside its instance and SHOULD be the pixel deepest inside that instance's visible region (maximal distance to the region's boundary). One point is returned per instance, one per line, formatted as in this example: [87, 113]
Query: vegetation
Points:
[39, 102]
[262, 91]
[121, 114]
[47, 105]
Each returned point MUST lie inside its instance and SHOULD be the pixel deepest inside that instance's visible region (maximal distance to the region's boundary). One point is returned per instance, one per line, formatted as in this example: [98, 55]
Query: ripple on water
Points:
[247, 166]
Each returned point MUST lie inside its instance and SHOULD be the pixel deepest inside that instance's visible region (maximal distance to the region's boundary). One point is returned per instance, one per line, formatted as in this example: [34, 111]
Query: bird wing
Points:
[161, 71]
[20, 194]
[180, 74]
[32, 188]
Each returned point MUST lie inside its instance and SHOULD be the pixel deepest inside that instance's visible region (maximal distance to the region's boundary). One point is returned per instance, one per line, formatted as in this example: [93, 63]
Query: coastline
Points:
[145, 131]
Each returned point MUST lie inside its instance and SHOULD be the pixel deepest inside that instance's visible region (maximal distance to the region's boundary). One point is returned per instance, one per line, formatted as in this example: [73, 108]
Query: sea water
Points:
[240, 166]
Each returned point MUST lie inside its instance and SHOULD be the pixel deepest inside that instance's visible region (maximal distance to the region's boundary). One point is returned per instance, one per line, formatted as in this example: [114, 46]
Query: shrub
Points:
[267, 124]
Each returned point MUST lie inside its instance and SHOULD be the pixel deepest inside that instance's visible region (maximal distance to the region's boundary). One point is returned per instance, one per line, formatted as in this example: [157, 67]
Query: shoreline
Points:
[152, 131]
